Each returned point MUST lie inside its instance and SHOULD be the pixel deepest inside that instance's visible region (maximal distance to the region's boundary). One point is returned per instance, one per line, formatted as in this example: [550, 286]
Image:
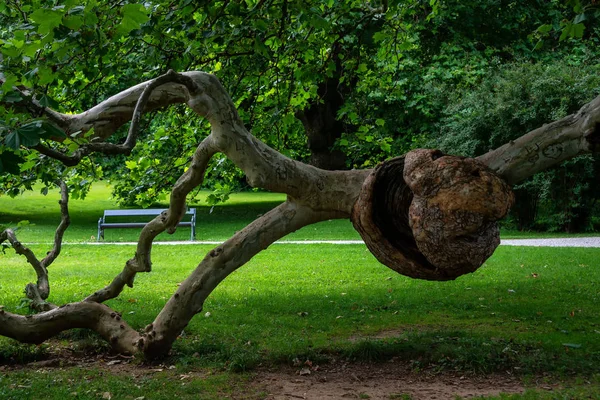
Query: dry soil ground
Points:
[391, 380]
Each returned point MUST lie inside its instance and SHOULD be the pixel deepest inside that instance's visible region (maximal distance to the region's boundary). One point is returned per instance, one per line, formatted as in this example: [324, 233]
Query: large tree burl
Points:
[432, 216]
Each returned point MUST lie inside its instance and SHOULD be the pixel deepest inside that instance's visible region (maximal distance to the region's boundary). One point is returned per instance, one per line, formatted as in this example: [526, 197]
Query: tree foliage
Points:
[351, 83]
[520, 97]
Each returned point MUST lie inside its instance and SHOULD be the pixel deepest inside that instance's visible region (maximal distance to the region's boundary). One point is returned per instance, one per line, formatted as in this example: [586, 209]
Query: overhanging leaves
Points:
[30, 134]
[47, 20]
[134, 15]
[9, 163]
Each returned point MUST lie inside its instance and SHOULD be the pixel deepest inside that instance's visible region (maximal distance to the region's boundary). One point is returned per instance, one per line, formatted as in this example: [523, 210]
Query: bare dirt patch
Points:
[338, 379]
[391, 380]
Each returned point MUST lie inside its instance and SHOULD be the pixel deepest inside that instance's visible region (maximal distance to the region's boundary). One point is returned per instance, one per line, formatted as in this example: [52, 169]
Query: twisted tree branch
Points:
[40, 291]
[548, 145]
[167, 221]
[98, 317]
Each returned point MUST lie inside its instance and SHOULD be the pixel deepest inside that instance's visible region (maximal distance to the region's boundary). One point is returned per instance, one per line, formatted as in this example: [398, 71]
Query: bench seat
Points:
[150, 212]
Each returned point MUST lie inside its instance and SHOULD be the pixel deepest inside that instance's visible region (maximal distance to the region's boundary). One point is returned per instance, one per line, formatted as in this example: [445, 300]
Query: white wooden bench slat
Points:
[102, 224]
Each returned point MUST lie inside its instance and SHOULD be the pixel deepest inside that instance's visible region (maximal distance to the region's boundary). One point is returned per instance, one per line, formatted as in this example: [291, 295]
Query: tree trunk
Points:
[323, 127]
[526, 207]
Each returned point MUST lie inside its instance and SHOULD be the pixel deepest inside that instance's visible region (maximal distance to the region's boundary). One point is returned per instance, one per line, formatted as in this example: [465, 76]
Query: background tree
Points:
[337, 84]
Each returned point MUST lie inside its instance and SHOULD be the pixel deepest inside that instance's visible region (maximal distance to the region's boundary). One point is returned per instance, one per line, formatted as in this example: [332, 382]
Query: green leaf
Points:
[47, 101]
[46, 75]
[260, 25]
[579, 18]
[572, 30]
[379, 36]
[18, 43]
[9, 163]
[30, 134]
[73, 22]
[319, 22]
[51, 131]
[9, 82]
[46, 19]
[12, 97]
[23, 223]
[544, 28]
[31, 48]
[261, 48]
[577, 30]
[27, 135]
[134, 15]
[10, 51]
[565, 33]
[130, 164]
[90, 17]
[26, 166]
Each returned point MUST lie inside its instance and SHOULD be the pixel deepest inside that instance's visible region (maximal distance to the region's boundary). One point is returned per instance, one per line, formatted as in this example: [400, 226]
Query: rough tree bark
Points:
[322, 126]
[425, 215]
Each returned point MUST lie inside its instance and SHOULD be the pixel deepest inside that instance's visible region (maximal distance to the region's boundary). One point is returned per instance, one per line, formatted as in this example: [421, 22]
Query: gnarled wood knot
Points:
[432, 216]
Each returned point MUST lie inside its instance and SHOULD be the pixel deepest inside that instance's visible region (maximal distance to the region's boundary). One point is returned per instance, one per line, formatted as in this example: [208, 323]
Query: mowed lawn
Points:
[214, 223]
[530, 311]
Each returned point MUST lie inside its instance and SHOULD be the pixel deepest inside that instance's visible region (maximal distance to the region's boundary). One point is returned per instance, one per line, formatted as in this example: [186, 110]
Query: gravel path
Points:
[554, 242]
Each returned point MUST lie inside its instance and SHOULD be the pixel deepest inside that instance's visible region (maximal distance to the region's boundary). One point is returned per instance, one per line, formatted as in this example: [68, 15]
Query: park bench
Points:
[116, 215]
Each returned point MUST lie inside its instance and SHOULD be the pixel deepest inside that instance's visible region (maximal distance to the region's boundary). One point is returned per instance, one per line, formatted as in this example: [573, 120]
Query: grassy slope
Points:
[535, 309]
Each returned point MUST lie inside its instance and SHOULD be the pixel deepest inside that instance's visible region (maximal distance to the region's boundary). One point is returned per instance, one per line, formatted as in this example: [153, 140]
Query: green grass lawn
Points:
[214, 224]
[529, 310]
[218, 223]
[532, 311]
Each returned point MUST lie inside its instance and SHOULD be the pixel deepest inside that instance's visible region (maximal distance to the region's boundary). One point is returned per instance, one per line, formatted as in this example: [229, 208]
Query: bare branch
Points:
[10, 236]
[547, 146]
[65, 221]
[38, 303]
[127, 147]
[39, 292]
[265, 167]
[38, 328]
[219, 263]
[313, 195]
[168, 221]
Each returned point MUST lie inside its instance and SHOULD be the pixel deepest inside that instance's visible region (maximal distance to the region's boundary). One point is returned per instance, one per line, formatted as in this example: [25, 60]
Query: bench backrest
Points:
[146, 211]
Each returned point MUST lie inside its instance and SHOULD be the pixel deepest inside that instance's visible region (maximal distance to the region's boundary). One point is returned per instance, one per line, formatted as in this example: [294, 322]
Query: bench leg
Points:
[100, 230]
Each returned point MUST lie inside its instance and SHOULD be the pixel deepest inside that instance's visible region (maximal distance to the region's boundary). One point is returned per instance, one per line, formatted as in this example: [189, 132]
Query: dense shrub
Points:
[511, 101]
